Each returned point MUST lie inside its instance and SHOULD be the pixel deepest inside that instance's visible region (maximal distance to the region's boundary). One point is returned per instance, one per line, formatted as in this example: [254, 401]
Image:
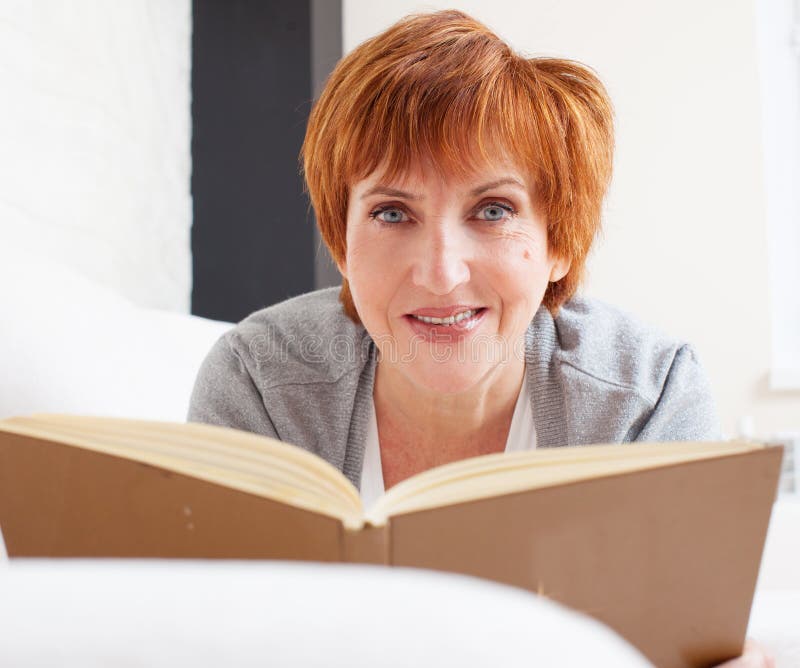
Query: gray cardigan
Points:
[302, 371]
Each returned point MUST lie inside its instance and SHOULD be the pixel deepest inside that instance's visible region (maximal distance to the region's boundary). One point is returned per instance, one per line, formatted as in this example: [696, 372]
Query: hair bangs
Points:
[455, 117]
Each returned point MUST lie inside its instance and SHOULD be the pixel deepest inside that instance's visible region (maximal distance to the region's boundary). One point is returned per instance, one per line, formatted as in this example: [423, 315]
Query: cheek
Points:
[532, 249]
[522, 268]
[368, 258]
[523, 248]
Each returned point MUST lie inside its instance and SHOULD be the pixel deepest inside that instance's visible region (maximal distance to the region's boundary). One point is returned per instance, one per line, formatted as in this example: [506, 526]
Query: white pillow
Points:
[68, 345]
[93, 613]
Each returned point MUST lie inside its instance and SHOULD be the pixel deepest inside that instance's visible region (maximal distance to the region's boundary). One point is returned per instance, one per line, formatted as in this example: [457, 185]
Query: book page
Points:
[492, 475]
[248, 462]
[57, 500]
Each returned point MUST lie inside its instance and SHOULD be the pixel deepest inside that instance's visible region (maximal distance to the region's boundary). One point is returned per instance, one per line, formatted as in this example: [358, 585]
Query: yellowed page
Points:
[492, 475]
[270, 475]
[230, 441]
[199, 444]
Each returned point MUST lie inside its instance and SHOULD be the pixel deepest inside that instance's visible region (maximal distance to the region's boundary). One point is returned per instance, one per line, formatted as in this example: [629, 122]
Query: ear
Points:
[560, 268]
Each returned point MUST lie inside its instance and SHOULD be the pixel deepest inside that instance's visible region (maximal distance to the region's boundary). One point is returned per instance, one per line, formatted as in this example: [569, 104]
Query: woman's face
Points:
[433, 246]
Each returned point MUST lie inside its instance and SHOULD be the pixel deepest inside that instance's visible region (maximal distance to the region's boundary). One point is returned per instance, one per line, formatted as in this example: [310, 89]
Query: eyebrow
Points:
[496, 184]
[389, 192]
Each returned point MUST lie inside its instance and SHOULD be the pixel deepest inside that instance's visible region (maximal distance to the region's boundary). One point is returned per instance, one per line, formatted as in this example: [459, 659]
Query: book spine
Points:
[368, 545]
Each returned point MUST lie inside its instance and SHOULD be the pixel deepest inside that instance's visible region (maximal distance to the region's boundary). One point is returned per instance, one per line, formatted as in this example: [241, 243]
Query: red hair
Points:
[442, 86]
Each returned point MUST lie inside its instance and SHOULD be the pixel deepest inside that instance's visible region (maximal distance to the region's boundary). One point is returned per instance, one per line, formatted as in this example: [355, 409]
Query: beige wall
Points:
[685, 243]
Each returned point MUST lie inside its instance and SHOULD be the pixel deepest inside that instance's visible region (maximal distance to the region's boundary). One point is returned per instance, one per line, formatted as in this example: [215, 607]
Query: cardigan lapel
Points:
[353, 460]
[547, 395]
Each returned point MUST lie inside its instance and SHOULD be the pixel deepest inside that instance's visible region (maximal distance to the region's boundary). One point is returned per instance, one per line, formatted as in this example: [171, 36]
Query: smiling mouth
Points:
[449, 321]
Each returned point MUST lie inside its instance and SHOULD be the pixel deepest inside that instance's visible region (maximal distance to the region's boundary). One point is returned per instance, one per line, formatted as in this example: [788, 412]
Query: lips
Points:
[441, 333]
[445, 311]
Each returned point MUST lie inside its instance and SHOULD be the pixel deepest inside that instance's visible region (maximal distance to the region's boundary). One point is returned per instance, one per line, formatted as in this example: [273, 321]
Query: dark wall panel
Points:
[326, 49]
[252, 236]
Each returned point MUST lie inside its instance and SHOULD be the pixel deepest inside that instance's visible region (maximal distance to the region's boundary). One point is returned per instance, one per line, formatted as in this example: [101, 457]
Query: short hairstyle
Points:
[443, 87]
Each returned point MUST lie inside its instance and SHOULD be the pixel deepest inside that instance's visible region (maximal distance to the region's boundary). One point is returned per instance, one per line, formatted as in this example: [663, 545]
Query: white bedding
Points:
[68, 345]
[201, 614]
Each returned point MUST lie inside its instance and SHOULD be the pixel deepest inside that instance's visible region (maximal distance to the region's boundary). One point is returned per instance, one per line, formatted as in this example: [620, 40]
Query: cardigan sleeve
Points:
[685, 409]
[224, 393]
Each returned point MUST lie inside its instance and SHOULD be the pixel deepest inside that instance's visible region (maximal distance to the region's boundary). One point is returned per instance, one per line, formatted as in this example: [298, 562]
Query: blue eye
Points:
[389, 215]
[495, 212]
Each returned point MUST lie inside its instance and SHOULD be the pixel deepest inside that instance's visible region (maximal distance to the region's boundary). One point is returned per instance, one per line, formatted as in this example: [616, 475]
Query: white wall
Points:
[779, 67]
[95, 141]
[685, 243]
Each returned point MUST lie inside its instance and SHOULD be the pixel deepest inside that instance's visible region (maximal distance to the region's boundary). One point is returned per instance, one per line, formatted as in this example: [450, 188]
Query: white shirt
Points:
[521, 436]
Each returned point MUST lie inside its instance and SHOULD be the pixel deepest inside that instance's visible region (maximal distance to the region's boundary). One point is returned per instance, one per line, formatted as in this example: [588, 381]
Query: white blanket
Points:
[137, 613]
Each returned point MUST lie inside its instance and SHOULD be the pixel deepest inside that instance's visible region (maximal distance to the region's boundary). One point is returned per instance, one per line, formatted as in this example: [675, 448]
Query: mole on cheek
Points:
[526, 254]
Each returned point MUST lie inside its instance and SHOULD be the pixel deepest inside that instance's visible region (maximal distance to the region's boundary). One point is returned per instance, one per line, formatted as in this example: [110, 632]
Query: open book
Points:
[662, 542]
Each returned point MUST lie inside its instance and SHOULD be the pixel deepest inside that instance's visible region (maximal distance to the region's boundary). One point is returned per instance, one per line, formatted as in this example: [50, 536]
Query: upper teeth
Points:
[446, 321]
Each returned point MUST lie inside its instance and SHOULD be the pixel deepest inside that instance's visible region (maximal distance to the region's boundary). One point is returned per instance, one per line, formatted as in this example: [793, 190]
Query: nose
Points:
[442, 260]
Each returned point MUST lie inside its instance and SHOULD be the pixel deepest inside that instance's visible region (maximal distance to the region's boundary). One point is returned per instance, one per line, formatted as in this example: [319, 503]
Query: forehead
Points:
[424, 173]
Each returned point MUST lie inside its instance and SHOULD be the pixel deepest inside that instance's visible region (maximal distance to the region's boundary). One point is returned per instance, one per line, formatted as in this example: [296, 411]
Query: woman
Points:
[458, 187]
[452, 178]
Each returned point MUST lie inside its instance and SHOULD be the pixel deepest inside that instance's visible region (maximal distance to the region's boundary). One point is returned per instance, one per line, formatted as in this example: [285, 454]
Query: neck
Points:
[482, 412]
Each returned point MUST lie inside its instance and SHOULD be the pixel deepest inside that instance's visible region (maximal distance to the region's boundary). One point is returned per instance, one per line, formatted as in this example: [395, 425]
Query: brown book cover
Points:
[662, 542]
